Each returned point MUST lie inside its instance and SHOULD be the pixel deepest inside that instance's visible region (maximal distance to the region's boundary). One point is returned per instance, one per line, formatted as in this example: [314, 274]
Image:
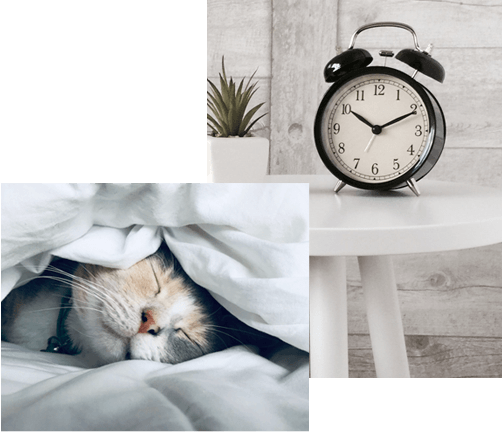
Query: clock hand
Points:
[371, 142]
[398, 119]
[378, 129]
[374, 128]
[360, 117]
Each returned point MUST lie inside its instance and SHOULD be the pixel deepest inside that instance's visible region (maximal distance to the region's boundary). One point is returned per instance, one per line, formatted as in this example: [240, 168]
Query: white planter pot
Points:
[237, 160]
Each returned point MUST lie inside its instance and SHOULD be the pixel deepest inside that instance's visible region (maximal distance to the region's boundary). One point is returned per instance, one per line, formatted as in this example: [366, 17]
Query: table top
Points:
[446, 216]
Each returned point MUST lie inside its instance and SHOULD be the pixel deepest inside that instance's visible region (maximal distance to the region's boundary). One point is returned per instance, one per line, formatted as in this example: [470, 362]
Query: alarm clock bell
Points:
[355, 58]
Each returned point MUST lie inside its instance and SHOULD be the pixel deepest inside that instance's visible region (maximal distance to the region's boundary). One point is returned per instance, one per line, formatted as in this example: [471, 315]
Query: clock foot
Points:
[412, 184]
[339, 186]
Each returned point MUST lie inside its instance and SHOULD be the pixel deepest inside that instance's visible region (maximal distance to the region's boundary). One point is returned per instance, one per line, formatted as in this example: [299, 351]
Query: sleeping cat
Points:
[151, 311]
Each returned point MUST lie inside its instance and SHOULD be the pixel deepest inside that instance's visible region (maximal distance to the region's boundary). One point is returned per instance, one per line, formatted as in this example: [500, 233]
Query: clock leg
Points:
[384, 317]
[412, 184]
[339, 186]
[329, 356]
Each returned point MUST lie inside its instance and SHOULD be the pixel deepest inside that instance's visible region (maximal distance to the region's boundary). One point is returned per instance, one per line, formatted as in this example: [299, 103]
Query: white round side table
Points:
[373, 226]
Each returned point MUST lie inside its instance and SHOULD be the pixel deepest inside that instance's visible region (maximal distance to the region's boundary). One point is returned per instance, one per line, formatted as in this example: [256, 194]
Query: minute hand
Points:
[398, 119]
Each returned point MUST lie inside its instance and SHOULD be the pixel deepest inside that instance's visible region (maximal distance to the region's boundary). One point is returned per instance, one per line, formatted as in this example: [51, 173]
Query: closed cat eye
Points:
[181, 332]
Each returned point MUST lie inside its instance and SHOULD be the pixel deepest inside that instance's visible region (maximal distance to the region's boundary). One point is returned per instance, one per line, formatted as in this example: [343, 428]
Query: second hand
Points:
[370, 142]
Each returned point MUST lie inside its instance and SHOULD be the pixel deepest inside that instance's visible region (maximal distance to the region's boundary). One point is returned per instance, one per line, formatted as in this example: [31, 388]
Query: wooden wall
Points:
[451, 302]
[241, 31]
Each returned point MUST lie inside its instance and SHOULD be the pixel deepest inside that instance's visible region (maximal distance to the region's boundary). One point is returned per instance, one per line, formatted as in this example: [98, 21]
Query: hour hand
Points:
[360, 117]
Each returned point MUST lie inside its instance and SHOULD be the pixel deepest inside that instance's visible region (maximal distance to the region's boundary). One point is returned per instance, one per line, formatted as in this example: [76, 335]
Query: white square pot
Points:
[237, 160]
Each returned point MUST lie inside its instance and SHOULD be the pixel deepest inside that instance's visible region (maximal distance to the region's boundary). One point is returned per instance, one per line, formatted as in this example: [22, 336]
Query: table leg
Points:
[384, 317]
[328, 318]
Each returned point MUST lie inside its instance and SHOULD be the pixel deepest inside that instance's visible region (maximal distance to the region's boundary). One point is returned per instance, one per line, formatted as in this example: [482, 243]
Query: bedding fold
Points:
[233, 389]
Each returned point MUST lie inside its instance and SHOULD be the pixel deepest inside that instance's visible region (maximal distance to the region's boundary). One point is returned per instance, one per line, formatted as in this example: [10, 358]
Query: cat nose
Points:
[148, 324]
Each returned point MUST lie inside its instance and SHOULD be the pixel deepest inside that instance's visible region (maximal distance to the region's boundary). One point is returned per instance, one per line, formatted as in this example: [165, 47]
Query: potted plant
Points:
[233, 154]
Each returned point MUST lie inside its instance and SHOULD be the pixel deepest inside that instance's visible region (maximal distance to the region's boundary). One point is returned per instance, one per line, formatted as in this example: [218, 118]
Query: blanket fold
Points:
[233, 389]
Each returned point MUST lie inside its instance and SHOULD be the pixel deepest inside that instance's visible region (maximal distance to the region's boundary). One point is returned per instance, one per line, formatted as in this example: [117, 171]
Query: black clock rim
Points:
[431, 112]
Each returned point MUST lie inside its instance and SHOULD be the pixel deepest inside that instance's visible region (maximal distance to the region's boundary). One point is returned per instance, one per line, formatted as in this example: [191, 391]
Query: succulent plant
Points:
[229, 105]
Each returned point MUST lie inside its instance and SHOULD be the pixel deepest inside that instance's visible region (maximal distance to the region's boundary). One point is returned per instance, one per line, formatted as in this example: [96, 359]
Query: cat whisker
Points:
[102, 293]
[230, 328]
[82, 333]
[115, 300]
[116, 303]
[73, 284]
[217, 310]
[89, 288]
[233, 337]
[221, 339]
[98, 293]
[64, 307]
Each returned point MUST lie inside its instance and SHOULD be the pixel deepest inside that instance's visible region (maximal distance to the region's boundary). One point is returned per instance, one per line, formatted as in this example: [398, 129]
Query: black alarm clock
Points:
[377, 127]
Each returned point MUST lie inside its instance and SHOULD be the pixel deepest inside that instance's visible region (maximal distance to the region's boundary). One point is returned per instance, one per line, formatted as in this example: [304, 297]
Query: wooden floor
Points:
[435, 357]
[451, 305]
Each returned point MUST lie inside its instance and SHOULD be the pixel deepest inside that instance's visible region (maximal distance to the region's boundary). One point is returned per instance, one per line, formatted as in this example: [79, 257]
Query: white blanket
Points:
[229, 390]
[246, 243]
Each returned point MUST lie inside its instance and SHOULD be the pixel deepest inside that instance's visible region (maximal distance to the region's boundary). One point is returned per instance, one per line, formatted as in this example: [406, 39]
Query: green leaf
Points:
[218, 111]
[217, 98]
[214, 89]
[221, 127]
[251, 77]
[252, 124]
[229, 103]
[248, 117]
[223, 67]
[215, 132]
[224, 90]
[239, 90]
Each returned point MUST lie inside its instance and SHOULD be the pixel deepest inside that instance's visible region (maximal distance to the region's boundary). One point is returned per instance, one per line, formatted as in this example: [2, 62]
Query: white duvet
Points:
[246, 243]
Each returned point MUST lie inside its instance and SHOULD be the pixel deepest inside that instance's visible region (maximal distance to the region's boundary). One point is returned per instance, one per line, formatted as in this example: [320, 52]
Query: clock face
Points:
[375, 128]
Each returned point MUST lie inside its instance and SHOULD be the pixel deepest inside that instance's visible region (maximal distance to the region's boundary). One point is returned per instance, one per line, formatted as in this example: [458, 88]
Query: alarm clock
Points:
[377, 127]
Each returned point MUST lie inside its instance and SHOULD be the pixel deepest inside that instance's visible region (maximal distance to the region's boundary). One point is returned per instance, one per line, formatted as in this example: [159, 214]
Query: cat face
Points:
[151, 311]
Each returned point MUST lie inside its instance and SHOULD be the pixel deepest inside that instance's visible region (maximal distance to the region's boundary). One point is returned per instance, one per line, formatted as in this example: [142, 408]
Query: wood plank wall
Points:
[451, 302]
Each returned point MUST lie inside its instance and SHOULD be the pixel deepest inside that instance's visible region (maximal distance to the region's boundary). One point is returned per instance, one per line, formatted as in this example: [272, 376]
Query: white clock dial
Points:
[376, 128]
